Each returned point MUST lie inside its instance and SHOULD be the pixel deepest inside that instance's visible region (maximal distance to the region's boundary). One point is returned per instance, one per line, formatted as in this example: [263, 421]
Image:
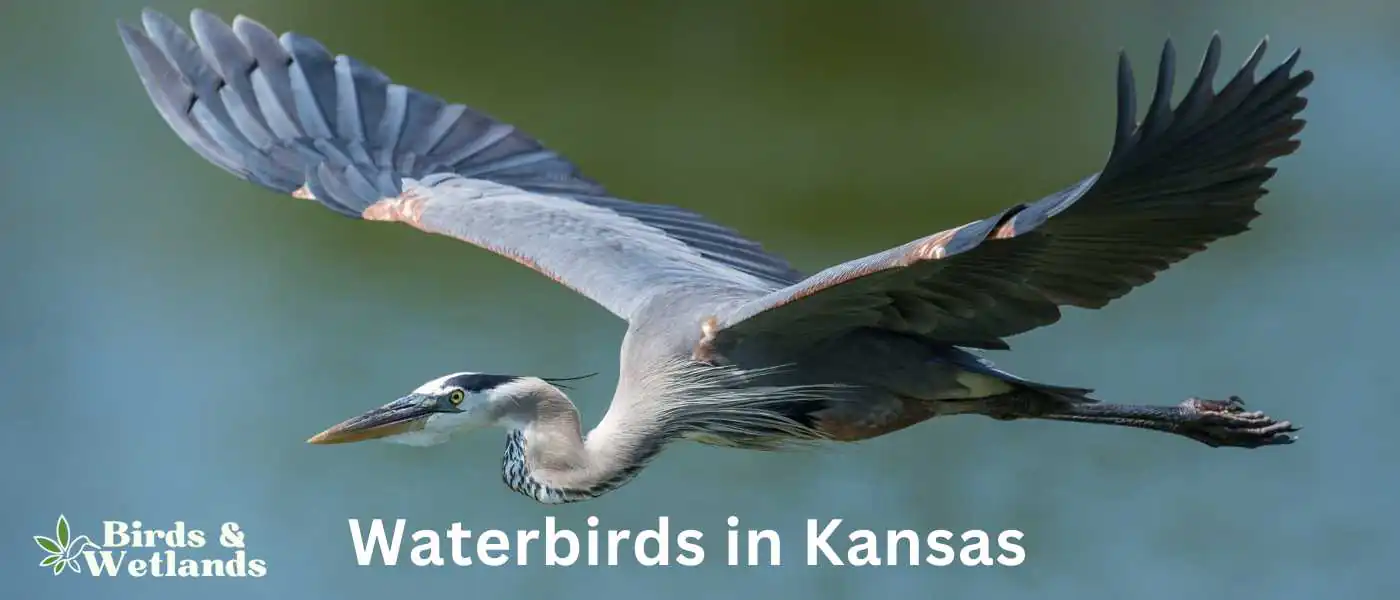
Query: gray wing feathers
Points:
[1180, 179]
[284, 113]
[270, 109]
[618, 262]
[715, 242]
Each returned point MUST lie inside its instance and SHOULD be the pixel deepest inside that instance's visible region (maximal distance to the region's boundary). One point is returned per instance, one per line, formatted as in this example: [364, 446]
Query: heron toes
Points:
[1226, 423]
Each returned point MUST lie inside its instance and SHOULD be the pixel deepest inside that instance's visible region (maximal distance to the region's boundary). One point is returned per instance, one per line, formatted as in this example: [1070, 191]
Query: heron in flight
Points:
[727, 344]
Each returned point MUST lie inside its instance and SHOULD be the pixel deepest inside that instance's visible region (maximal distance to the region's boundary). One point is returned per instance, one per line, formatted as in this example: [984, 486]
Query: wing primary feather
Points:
[312, 78]
[461, 155]
[270, 79]
[390, 128]
[443, 126]
[371, 96]
[230, 57]
[348, 124]
[171, 94]
[1159, 113]
[1202, 90]
[1125, 133]
[421, 114]
[507, 163]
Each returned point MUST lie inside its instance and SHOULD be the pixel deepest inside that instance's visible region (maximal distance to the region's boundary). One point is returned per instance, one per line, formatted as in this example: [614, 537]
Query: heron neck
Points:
[547, 458]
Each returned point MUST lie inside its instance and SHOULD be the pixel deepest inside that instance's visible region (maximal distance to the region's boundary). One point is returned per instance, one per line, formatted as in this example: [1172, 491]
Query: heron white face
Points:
[427, 416]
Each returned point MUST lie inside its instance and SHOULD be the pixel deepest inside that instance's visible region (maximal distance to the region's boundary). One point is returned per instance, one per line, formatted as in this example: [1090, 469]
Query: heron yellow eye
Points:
[456, 397]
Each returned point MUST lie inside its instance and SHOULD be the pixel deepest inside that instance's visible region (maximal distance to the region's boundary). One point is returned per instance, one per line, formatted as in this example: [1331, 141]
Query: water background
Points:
[171, 334]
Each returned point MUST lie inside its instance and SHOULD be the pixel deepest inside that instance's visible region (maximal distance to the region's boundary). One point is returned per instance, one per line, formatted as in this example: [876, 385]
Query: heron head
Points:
[430, 414]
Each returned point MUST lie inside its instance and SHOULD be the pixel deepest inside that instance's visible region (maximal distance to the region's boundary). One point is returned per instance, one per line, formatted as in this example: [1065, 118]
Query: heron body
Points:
[728, 344]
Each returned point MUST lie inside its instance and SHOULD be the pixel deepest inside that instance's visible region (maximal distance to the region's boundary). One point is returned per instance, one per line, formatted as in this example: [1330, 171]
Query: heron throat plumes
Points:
[547, 459]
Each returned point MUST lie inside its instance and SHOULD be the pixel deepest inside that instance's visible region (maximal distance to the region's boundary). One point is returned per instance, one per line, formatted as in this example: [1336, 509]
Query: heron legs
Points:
[1215, 423]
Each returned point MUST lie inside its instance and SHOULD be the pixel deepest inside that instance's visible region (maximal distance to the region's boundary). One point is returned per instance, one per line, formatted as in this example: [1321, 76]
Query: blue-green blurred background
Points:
[171, 334]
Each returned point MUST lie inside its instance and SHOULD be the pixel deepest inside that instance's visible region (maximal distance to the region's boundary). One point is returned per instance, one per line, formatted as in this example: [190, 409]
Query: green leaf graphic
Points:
[48, 562]
[62, 531]
[48, 544]
[59, 566]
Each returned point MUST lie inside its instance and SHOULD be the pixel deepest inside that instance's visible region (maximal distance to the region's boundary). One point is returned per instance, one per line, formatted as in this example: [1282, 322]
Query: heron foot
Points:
[1218, 423]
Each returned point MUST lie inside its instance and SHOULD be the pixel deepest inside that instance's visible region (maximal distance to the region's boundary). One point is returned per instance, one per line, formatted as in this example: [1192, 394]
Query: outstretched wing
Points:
[1174, 183]
[285, 114]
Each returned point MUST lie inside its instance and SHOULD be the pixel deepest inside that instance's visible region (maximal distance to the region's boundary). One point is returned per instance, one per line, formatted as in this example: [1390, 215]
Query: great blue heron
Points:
[727, 344]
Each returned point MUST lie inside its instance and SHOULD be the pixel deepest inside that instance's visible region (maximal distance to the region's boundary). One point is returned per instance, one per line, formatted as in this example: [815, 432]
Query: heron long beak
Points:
[400, 416]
